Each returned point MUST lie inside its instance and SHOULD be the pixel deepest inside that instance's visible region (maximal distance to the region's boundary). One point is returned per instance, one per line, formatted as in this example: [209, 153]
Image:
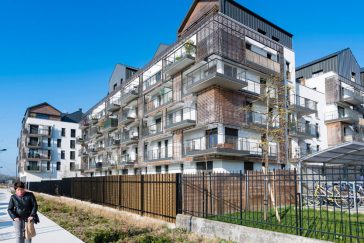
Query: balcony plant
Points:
[189, 47]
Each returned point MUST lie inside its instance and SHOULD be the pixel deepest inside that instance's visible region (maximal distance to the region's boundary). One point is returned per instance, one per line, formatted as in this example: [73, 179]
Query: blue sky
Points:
[63, 52]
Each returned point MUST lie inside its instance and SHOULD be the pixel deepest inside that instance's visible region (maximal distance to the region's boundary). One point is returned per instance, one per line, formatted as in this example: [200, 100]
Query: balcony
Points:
[233, 146]
[75, 167]
[128, 116]
[216, 72]
[164, 153]
[352, 97]
[303, 130]
[263, 61]
[354, 137]
[94, 132]
[113, 104]
[129, 94]
[347, 116]
[39, 155]
[39, 132]
[302, 152]
[34, 144]
[153, 130]
[110, 124]
[129, 138]
[152, 81]
[254, 119]
[181, 119]
[301, 105]
[253, 88]
[127, 160]
[33, 168]
[159, 101]
[180, 59]
[85, 123]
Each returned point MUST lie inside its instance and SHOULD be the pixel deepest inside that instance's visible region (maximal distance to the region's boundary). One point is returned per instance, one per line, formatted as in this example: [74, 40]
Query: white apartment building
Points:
[48, 148]
[335, 81]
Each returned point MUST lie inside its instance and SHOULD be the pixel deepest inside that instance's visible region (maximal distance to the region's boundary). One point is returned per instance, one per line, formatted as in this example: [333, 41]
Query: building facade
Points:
[198, 104]
[47, 144]
[339, 83]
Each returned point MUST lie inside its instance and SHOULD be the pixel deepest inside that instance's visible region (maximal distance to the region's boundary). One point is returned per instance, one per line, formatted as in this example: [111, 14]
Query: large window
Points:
[59, 143]
[63, 133]
[63, 154]
[73, 133]
[73, 155]
[58, 165]
[204, 166]
[72, 144]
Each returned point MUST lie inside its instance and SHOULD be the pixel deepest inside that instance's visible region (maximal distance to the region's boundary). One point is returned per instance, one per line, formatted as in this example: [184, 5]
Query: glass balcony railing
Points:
[187, 50]
[216, 72]
[34, 168]
[303, 129]
[260, 119]
[110, 123]
[352, 96]
[126, 159]
[162, 153]
[41, 131]
[153, 80]
[129, 93]
[253, 87]
[344, 115]
[39, 154]
[263, 61]
[153, 129]
[302, 104]
[181, 118]
[159, 101]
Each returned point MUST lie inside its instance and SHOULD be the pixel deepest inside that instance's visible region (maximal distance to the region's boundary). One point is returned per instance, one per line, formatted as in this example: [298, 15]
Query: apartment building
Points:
[47, 144]
[197, 104]
[338, 82]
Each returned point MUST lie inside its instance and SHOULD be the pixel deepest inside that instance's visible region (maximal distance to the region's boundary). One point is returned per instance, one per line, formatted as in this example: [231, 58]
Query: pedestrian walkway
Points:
[47, 230]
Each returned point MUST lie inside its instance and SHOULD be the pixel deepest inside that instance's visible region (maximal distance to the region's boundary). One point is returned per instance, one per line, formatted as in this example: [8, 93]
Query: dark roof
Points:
[160, 49]
[74, 117]
[260, 17]
[362, 70]
[322, 59]
[40, 104]
[239, 6]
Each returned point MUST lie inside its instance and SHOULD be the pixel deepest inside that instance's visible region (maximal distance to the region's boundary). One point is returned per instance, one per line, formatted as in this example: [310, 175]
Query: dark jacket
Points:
[23, 207]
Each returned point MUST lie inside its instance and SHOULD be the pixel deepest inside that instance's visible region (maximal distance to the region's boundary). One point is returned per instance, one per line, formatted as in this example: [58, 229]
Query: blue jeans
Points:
[20, 231]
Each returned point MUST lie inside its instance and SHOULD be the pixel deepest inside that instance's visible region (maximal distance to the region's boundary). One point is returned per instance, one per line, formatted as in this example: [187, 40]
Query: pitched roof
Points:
[362, 70]
[322, 59]
[38, 105]
[74, 117]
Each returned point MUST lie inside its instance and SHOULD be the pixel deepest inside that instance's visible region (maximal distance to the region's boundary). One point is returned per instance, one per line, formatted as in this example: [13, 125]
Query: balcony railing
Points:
[352, 96]
[33, 168]
[126, 159]
[129, 137]
[303, 129]
[255, 118]
[302, 105]
[128, 116]
[263, 61]
[153, 129]
[182, 118]
[229, 146]
[253, 87]
[94, 132]
[40, 131]
[40, 154]
[163, 153]
[302, 152]
[346, 116]
[159, 101]
[128, 94]
[113, 104]
[109, 124]
[180, 58]
[216, 72]
[150, 82]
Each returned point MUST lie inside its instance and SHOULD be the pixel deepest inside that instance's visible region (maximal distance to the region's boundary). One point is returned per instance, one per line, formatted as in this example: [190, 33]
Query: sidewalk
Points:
[47, 230]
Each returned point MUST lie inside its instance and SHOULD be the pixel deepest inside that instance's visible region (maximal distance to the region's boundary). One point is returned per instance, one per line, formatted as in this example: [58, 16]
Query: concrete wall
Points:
[237, 233]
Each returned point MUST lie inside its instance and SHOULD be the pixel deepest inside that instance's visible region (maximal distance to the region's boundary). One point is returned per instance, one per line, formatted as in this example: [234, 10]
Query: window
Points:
[166, 168]
[58, 166]
[48, 165]
[248, 166]
[182, 168]
[73, 133]
[72, 144]
[63, 133]
[275, 38]
[248, 46]
[231, 135]
[114, 87]
[353, 78]
[42, 116]
[59, 143]
[125, 171]
[204, 166]
[262, 31]
[211, 138]
[72, 155]
[72, 166]
[49, 142]
[63, 154]
[158, 169]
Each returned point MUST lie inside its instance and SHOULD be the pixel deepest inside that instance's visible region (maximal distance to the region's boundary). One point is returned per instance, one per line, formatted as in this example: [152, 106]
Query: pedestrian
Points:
[22, 207]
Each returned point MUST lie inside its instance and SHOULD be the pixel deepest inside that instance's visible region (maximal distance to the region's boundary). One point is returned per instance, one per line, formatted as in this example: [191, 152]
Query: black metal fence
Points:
[326, 204]
[323, 204]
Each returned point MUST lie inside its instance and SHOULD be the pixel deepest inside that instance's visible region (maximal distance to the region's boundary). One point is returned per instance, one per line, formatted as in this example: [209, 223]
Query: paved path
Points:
[47, 230]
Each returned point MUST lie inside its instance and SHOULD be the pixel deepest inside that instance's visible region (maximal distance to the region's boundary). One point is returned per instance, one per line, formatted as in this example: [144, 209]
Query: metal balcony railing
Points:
[260, 119]
[253, 87]
[347, 114]
[40, 131]
[306, 129]
[153, 80]
[126, 159]
[153, 129]
[352, 96]
[110, 123]
[39, 154]
[185, 115]
[303, 102]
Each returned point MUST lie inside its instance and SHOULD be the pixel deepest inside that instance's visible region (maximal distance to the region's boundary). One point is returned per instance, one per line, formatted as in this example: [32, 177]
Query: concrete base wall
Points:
[237, 233]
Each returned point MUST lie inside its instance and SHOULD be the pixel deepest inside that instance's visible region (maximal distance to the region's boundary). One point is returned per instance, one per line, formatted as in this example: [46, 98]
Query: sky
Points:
[64, 51]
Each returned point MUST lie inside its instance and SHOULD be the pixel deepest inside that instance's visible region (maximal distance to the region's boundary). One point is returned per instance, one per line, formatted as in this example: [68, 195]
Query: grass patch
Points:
[325, 224]
[98, 226]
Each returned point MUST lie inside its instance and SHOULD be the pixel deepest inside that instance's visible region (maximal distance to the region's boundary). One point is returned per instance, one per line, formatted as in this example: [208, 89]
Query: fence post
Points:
[141, 194]
[241, 197]
[179, 196]
[203, 196]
